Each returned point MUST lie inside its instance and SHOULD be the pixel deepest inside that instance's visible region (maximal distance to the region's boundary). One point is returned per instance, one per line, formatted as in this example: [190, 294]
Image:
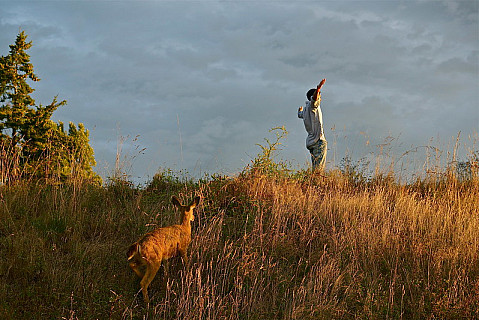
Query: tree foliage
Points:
[31, 144]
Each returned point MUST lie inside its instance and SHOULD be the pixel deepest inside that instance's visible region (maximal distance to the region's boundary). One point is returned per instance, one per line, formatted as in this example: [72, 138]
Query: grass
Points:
[266, 245]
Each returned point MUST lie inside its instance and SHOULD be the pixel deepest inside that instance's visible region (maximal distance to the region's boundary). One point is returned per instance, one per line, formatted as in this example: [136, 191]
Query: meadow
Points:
[267, 244]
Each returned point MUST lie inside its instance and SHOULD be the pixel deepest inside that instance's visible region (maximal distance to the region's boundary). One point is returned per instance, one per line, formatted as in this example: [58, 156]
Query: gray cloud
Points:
[202, 82]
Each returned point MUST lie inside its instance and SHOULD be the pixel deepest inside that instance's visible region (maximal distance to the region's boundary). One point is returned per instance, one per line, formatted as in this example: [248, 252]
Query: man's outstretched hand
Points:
[318, 90]
[321, 84]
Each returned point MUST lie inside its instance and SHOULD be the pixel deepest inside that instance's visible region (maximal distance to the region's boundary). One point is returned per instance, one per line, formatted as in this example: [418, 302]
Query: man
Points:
[313, 122]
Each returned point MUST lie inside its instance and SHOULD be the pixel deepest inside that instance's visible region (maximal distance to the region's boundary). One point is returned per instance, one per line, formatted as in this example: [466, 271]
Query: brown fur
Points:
[161, 244]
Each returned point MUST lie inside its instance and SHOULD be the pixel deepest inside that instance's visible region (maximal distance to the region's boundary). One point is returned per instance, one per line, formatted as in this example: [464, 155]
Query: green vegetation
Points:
[267, 244]
[30, 142]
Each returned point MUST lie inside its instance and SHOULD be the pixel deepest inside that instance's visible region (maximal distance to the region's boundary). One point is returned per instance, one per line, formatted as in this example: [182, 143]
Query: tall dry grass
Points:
[265, 246]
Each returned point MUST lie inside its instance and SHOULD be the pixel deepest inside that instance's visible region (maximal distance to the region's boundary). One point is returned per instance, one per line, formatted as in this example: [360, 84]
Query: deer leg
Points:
[165, 268]
[151, 270]
[184, 257]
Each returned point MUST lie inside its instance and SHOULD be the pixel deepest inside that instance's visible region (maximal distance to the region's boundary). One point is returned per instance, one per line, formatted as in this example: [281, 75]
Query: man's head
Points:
[310, 94]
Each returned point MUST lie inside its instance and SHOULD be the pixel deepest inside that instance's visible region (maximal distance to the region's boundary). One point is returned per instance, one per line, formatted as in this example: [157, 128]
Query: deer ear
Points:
[195, 202]
[175, 201]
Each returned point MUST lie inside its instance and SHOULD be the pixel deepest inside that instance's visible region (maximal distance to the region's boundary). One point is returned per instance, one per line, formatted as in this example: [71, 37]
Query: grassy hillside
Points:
[266, 245]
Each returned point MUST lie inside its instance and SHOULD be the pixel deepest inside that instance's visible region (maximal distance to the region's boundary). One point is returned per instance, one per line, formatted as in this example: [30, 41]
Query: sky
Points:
[196, 86]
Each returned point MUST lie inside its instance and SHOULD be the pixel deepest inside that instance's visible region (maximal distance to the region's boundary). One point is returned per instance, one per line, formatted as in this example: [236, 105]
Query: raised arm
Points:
[318, 89]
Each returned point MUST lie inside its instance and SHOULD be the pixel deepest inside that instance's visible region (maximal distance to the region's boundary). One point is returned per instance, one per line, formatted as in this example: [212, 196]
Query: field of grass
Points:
[265, 245]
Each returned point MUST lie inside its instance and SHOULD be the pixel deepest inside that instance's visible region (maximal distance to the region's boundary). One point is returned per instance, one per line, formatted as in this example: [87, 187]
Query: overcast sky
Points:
[197, 84]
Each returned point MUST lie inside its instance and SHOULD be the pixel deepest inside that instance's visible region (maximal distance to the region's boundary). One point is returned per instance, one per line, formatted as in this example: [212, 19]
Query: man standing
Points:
[313, 122]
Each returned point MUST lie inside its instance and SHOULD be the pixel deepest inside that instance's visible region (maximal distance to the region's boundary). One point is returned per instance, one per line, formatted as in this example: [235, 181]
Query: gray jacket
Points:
[313, 122]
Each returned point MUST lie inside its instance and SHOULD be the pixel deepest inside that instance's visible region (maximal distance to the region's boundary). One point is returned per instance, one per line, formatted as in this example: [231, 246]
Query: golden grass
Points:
[263, 247]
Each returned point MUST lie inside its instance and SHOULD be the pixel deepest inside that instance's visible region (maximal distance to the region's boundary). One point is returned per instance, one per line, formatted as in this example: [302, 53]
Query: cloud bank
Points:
[198, 84]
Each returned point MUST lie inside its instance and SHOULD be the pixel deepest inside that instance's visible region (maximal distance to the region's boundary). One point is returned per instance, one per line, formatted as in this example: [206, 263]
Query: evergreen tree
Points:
[15, 68]
[44, 148]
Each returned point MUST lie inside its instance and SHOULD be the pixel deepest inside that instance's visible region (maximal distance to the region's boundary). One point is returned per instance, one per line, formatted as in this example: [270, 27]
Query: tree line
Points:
[32, 146]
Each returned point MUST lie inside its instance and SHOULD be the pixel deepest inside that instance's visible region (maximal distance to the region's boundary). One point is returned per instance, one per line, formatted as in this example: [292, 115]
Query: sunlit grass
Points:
[267, 244]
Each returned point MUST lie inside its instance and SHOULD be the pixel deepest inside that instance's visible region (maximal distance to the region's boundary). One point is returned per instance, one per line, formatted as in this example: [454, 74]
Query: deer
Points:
[160, 245]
